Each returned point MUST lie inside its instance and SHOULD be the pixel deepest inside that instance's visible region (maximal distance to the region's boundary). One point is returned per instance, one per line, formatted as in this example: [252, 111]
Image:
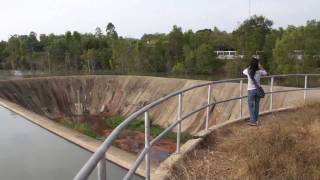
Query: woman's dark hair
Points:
[253, 67]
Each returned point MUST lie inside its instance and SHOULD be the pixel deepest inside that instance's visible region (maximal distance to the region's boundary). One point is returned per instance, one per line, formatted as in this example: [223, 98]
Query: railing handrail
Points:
[99, 155]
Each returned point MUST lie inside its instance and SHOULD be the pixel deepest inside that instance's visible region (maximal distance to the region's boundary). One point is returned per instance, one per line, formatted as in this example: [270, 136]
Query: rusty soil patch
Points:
[131, 139]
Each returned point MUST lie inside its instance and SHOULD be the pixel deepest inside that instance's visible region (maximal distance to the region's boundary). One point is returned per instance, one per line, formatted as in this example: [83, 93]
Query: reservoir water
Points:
[29, 152]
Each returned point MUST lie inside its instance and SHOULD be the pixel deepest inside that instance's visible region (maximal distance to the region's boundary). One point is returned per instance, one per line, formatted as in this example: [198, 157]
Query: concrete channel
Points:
[31, 152]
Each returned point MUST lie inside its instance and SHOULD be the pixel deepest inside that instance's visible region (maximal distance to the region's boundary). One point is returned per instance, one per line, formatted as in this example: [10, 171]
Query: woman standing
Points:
[254, 71]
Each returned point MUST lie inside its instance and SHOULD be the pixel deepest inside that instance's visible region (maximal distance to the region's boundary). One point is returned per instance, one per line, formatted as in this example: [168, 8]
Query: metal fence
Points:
[98, 158]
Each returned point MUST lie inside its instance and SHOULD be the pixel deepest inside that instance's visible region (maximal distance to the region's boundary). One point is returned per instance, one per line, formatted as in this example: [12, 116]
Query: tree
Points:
[32, 47]
[179, 68]
[294, 49]
[269, 45]
[251, 34]
[57, 50]
[3, 53]
[76, 36]
[111, 31]
[175, 45]
[13, 49]
[68, 36]
[98, 33]
[88, 57]
[122, 54]
[298, 50]
[150, 53]
[190, 60]
[205, 59]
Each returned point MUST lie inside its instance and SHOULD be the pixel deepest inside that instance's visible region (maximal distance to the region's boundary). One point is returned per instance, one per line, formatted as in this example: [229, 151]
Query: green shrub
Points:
[113, 122]
[138, 125]
[179, 68]
[82, 127]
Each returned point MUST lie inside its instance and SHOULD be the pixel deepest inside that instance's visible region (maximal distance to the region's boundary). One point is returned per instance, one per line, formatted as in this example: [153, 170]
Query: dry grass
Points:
[285, 146]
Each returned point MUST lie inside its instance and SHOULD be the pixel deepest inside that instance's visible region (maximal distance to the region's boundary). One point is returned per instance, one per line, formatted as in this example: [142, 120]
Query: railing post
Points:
[102, 169]
[179, 125]
[241, 84]
[271, 94]
[208, 108]
[147, 143]
[305, 88]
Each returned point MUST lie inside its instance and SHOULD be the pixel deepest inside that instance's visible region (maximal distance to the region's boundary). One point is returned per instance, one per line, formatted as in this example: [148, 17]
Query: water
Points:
[29, 152]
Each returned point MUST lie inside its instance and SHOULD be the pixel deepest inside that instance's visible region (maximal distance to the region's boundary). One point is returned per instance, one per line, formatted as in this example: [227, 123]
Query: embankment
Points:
[55, 97]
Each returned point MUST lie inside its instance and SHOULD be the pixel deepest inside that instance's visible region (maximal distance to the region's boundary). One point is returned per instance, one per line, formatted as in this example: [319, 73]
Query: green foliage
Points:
[114, 121]
[298, 49]
[175, 45]
[234, 68]
[88, 56]
[205, 59]
[82, 127]
[179, 68]
[111, 31]
[251, 34]
[138, 125]
[3, 53]
[268, 47]
[178, 51]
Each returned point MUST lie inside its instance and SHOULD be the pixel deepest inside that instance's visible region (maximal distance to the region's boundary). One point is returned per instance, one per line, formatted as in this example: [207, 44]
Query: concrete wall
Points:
[55, 97]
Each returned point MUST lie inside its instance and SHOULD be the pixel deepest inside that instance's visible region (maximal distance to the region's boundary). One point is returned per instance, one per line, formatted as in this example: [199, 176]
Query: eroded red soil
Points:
[128, 140]
[133, 141]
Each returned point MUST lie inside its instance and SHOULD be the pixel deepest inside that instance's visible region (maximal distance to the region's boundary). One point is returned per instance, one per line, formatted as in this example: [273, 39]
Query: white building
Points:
[297, 54]
[228, 55]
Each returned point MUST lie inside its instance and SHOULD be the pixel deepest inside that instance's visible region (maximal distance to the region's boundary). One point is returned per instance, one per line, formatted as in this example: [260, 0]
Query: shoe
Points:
[252, 124]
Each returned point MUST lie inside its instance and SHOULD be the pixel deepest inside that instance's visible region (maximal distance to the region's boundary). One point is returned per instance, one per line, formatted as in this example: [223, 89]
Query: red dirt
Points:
[133, 141]
[128, 140]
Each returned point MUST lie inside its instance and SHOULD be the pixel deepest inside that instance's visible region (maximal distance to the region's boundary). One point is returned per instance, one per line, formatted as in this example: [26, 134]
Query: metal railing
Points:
[98, 158]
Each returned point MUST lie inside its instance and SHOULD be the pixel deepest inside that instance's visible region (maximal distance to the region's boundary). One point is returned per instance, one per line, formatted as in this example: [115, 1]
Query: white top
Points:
[257, 76]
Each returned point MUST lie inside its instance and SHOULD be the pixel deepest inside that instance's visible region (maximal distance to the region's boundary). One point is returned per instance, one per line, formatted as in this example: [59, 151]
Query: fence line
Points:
[98, 158]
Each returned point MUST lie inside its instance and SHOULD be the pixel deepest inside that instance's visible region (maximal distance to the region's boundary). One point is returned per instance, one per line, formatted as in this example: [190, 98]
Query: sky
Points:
[133, 18]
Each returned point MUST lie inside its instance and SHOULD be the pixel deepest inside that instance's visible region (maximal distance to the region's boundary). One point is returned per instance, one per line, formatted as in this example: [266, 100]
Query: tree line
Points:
[290, 50]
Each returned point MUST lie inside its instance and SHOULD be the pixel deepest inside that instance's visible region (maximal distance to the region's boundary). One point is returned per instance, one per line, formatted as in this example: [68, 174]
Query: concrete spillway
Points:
[66, 96]
[55, 97]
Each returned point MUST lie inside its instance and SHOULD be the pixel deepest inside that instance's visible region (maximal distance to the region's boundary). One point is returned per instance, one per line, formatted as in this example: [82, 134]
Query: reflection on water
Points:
[29, 152]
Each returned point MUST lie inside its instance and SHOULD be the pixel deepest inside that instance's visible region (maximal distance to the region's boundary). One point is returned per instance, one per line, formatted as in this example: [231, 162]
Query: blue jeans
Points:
[253, 103]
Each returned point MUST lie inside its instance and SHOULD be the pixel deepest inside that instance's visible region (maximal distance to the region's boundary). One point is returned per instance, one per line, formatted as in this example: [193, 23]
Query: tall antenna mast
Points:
[249, 8]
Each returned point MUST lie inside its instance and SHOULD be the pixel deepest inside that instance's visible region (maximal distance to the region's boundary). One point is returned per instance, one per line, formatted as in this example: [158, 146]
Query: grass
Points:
[138, 125]
[82, 127]
[113, 122]
[285, 146]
